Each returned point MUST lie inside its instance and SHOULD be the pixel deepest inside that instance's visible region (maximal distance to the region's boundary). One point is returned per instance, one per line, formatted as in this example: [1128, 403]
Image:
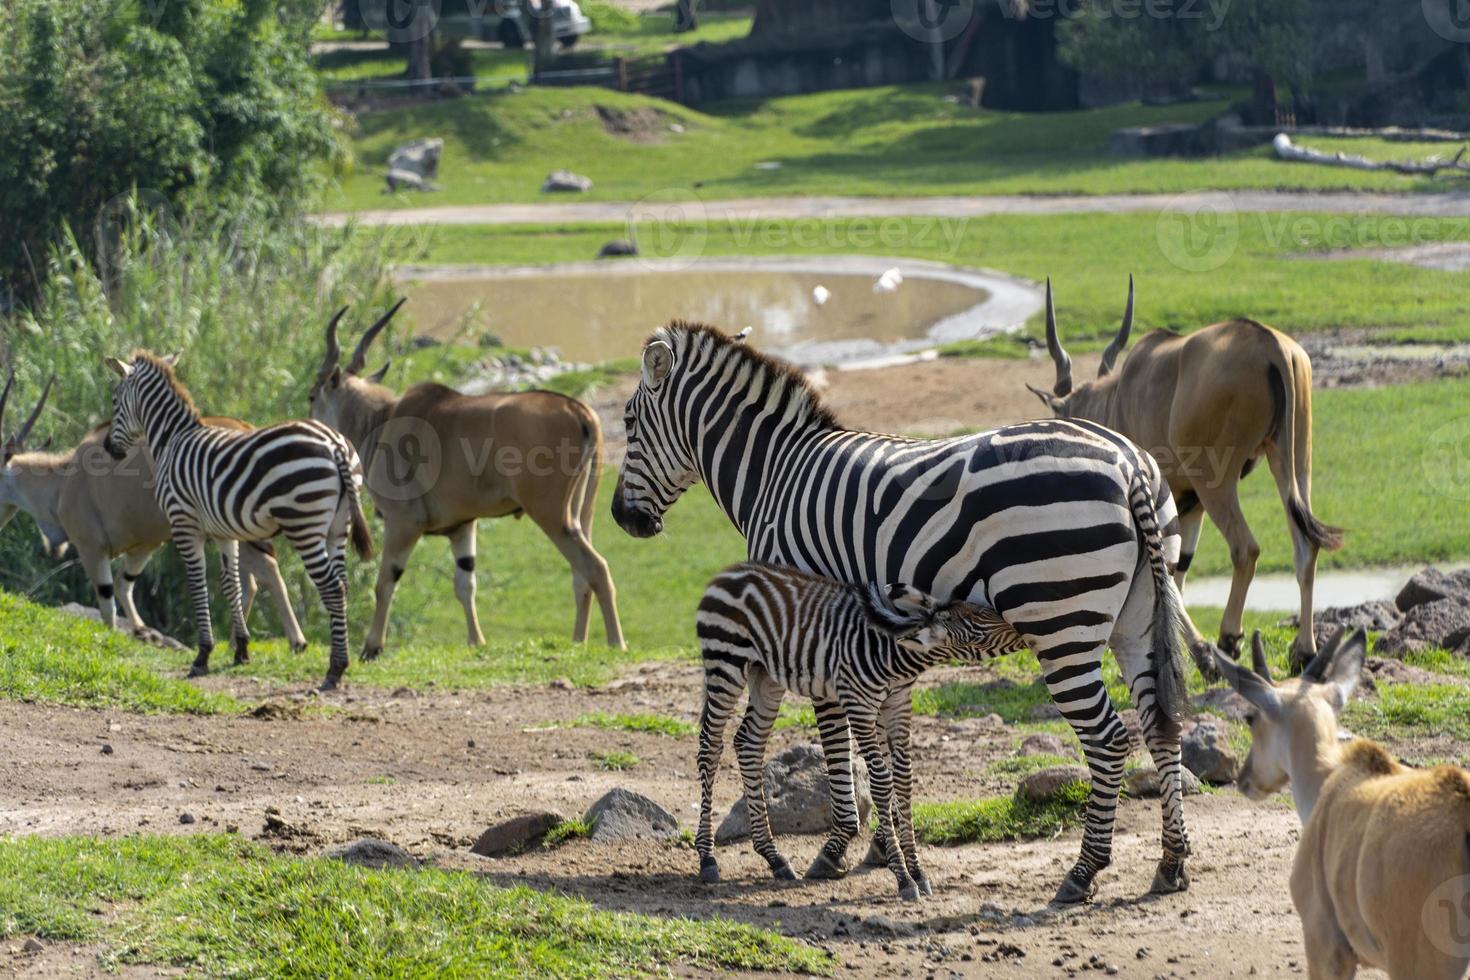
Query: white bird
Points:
[820, 295]
[889, 281]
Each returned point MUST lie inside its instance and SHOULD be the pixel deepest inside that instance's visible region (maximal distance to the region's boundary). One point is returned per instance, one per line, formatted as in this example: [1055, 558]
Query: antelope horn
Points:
[1110, 354]
[1258, 656]
[334, 349]
[30, 422]
[1063, 387]
[359, 356]
[4, 397]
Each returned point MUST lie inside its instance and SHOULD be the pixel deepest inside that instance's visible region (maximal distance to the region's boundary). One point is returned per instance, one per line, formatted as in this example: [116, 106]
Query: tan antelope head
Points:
[339, 387]
[1090, 399]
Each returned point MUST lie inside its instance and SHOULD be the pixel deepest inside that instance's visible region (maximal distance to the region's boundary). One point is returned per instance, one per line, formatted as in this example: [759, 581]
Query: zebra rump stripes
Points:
[300, 479]
[773, 629]
[1063, 526]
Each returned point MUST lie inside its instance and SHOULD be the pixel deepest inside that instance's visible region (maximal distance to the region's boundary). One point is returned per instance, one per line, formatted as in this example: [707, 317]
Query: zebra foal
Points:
[300, 479]
[773, 629]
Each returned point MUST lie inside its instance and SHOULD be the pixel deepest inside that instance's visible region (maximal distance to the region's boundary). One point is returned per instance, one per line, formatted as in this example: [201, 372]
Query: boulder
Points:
[517, 834]
[414, 166]
[616, 248]
[370, 852]
[622, 814]
[797, 798]
[1222, 701]
[1390, 671]
[564, 181]
[147, 634]
[1431, 585]
[1207, 751]
[1044, 744]
[1443, 623]
[1146, 784]
[1044, 785]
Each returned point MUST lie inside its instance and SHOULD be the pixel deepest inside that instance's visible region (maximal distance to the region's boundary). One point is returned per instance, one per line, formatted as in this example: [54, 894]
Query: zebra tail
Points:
[362, 535]
[1169, 618]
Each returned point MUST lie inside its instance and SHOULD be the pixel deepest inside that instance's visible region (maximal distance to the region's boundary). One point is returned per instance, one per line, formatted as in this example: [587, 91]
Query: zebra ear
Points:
[743, 335]
[118, 367]
[658, 361]
[909, 600]
[172, 360]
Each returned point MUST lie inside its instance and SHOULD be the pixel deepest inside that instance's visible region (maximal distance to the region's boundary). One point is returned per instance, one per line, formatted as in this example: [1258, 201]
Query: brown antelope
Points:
[1208, 406]
[105, 509]
[438, 460]
[1382, 873]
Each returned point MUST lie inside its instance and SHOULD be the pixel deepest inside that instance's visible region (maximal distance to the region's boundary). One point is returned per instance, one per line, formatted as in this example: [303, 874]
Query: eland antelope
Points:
[1382, 872]
[438, 460]
[1208, 406]
[105, 509]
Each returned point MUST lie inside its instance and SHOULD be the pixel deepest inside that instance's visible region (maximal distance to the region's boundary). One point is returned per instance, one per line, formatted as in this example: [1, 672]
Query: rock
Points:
[1379, 669]
[1044, 785]
[1376, 614]
[106, 749]
[882, 925]
[617, 247]
[415, 165]
[1044, 744]
[1222, 701]
[622, 814]
[1145, 784]
[1441, 623]
[1207, 751]
[517, 834]
[33, 945]
[186, 817]
[1431, 585]
[147, 634]
[369, 852]
[423, 343]
[797, 798]
[559, 181]
[1046, 711]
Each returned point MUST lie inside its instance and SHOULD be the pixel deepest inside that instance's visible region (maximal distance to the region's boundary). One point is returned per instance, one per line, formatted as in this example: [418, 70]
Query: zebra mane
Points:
[782, 375]
[884, 615]
[167, 370]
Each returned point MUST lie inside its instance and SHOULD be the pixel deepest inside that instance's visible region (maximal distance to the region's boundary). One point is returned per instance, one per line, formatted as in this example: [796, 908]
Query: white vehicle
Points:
[489, 20]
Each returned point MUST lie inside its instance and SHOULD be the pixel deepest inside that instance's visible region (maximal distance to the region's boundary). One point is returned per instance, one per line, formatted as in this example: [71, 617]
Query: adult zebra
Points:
[1056, 524]
[296, 478]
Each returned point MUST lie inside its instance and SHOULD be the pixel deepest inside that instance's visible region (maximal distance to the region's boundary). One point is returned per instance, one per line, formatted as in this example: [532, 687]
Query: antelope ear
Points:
[1250, 685]
[377, 376]
[658, 361]
[118, 367]
[1047, 398]
[334, 380]
[1346, 668]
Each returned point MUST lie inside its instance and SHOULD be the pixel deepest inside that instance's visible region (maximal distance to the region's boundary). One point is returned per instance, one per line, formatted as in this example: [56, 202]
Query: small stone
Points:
[617, 248]
[517, 834]
[33, 945]
[370, 852]
[1044, 744]
[106, 748]
[186, 817]
[561, 684]
[470, 743]
[622, 814]
[1045, 785]
[562, 181]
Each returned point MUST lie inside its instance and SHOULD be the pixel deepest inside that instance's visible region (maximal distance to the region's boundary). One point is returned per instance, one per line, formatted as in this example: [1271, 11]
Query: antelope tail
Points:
[1169, 617]
[582, 488]
[1291, 390]
[362, 535]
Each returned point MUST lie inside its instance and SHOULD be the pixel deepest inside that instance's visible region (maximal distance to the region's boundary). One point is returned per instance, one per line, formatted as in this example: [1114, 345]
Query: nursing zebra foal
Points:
[300, 479]
[1063, 526]
[774, 629]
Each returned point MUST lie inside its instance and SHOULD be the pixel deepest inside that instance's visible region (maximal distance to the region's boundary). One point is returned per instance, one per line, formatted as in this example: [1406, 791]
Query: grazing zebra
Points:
[1064, 527]
[296, 478]
[775, 629]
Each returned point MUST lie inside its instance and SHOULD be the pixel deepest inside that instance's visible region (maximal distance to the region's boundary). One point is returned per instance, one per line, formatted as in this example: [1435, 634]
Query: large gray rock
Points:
[1375, 614]
[1443, 623]
[373, 853]
[797, 798]
[1207, 751]
[1045, 785]
[622, 814]
[564, 181]
[1222, 701]
[517, 834]
[1146, 784]
[414, 166]
[1432, 585]
[616, 248]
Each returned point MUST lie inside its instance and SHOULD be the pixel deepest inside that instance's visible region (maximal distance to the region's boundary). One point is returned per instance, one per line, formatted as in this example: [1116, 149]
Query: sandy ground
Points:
[430, 771]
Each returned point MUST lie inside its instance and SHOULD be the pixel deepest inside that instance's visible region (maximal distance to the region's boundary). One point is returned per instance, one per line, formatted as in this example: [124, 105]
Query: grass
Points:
[217, 905]
[644, 723]
[565, 831]
[615, 760]
[865, 142]
[1024, 765]
[998, 818]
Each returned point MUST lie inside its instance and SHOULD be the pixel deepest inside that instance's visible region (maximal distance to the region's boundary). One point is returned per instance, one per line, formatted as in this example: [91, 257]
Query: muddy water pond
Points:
[595, 312]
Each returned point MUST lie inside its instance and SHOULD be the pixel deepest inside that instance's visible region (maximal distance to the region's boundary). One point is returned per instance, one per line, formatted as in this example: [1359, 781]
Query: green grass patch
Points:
[565, 831]
[1412, 710]
[1024, 765]
[217, 905]
[614, 760]
[49, 656]
[998, 818]
[381, 781]
[646, 723]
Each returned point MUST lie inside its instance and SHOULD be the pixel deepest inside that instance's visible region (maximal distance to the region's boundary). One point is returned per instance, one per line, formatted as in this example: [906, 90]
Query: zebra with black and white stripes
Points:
[773, 629]
[1064, 527]
[301, 479]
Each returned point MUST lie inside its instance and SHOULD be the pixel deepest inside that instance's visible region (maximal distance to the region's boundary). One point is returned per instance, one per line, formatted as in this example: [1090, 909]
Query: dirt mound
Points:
[641, 125]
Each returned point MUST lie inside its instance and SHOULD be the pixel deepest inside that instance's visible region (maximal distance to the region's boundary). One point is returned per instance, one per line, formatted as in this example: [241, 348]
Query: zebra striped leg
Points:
[837, 760]
[1075, 682]
[896, 716]
[190, 545]
[229, 560]
[1161, 736]
[750, 749]
[720, 700]
[330, 578]
[864, 723]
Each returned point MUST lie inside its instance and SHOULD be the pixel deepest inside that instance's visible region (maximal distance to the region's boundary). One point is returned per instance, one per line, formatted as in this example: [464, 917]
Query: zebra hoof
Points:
[198, 670]
[909, 892]
[330, 683]
[925, 888]
[1170, 878]
[783, 872]
[824, 869]
[1074, 892]
[709, 871]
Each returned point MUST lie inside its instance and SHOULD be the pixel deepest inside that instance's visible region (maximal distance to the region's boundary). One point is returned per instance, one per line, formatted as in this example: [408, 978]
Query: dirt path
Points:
[429, 772]
[691, 207]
